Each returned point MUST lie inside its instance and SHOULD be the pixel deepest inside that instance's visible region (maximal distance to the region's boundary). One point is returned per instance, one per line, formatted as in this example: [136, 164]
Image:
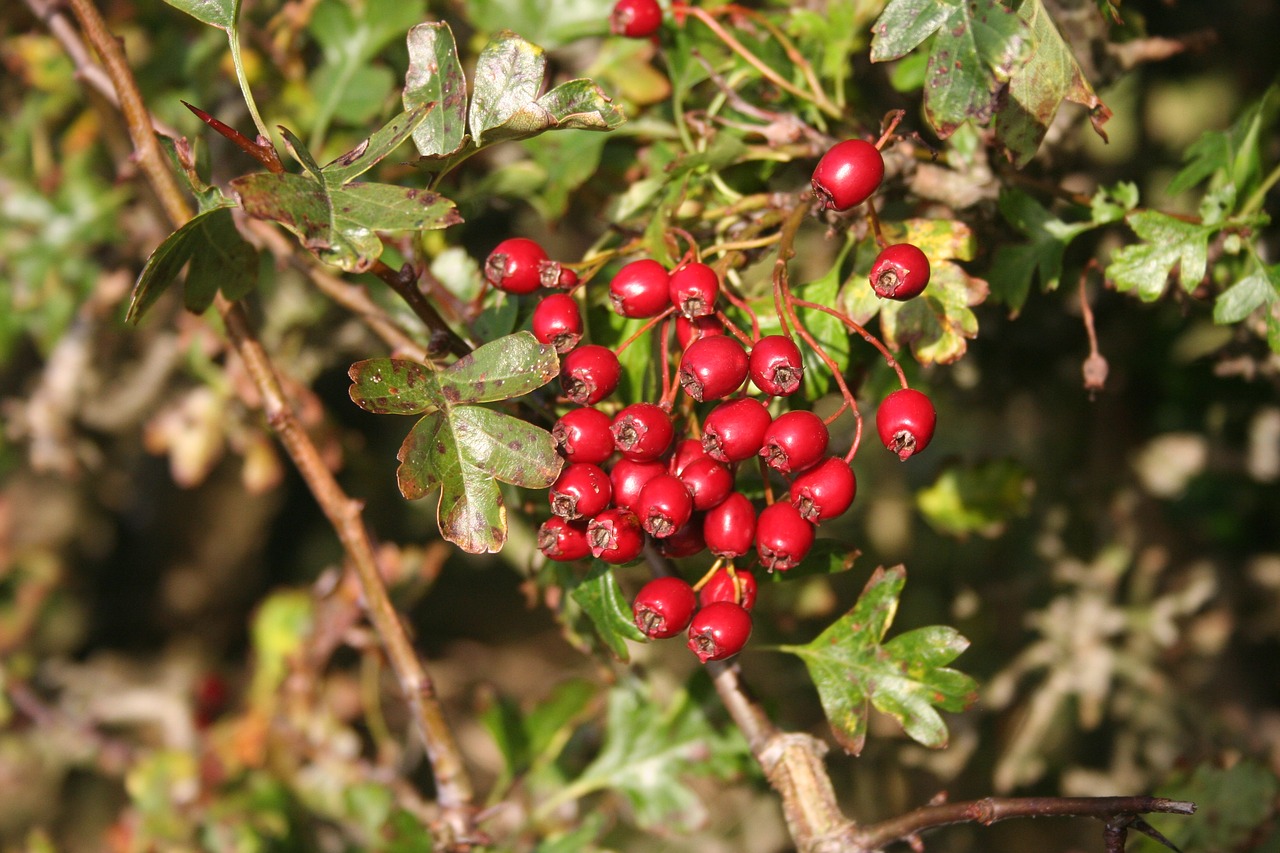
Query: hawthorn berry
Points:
[694, 289]
[640, 289]
[688, 331]
[582, 435]
[635, 18]
[664, 607]
[900, 272]
[848, 174]
[775, 365]
[642, 431]
[664, 506]
[582, 489]
[514, 265]
[687, 450]
[825, 490]
[558, 322]
[686, 541]
[735, 430]
[783, 537]
[629, 477]
[794, 441]
[615, 536]
[738, 586]
[708, 481]
[905, 421]
[730, 528]
[589, 373]
[713, 368]
[719, 630]
[566, 279]
[563, 540]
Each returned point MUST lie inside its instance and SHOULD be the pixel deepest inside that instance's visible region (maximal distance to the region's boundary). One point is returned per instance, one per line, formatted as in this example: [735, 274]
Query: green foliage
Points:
[603, 602]
[854, 670]
[1235, 808]
[217, 257]
[981, 499]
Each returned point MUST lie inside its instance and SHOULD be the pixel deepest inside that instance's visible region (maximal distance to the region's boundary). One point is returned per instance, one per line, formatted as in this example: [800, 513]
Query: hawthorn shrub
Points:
[634, 572]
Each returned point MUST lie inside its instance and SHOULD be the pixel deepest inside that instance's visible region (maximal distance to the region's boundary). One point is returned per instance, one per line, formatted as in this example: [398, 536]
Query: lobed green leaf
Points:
[1169, 243]
[601, 598]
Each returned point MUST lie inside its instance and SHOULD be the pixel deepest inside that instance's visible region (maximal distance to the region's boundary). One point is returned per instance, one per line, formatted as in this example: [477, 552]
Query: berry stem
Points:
[733, 327]
[889, 358]
[874, 219]
[742, 305]
[890, 123]
[706, 578]
[645, 328]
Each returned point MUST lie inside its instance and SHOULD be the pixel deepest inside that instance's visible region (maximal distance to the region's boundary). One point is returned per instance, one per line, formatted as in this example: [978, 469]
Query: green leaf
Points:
[1168, 242]
[939, 323]
[363, 157]
[538, 736]
[1037, 88]
[1232, 805]
[460, 448]
[904, 25]
[573, 19]
[1247, 295]
[339, 225]
[1235, 153]
[216, 13]
[610, 613]
[435, 76]
[1016, 266]
[906, 677]
[219, 258]
[978, 499]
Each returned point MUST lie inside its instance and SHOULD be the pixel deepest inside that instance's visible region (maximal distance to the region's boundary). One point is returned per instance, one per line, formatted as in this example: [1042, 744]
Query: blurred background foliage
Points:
[185, 667]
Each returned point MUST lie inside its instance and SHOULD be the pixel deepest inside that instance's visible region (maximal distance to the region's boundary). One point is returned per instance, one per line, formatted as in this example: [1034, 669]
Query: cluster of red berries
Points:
[632, 476]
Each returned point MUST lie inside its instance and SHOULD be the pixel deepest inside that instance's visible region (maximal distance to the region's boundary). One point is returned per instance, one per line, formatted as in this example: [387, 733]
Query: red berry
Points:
[848, 174]
[582, 435]
[694, 289]
[686, 541]
[900, 272]
[642, 431]
[825, 490]
[563, 540]
[730, 528]
[640, 289]
[687, 450]
[635, 18]
[776, 366]
[557, 321]
[629, 477]
[783, 537]
[688, 331]
[794, 441]
[738, 587]
[708, 481]
[664, 506]
[566, 279]
[664, 607]
[905, 421]
[582, 489]
[713, 368]
[514, 265]
[735, 431]
[589, 374]
[719, 630]
[615, 536]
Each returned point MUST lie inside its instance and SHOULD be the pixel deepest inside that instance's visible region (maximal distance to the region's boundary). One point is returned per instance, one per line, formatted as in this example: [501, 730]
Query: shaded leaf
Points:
[1247, 295]
[525, 739]
[435, 76]
[1016, 266]
[610, 613]
[978, 499]
[906, 677]
[1168, 243]
[1234, 153]
[1232, 806]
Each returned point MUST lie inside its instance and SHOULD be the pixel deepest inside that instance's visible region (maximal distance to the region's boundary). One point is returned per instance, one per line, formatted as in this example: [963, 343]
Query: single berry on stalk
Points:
[848, 174]
[713, 368]
[776, 366]
[905, 422]
[730, 527]
[694, 289]
[664, 607]
[589, 373]
[557, 321]
[615, 536]
[783, 537]
[825, 490]
[642, 431]
[900, 272]
[794, 441]
[582, 489]
[635, 18]
[719, 630]
[708, 481]
[734, 431]
[582, 435]
[640, 289]
[514, 265]
[664, 506]
[738, 586]
[563, 540]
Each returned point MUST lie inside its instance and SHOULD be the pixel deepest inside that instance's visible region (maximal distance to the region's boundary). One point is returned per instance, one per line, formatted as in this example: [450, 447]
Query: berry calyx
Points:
[900, 272]
[582, 489]
[783, 537]
[719, 630]
[642, 431]
[694, 289]
[730, 528]
[557, 321]
[688, 331]
[825, 490]
[775, 365]
[664, 607]
[615, 536]
[905, 422]
[734, 431]
[738, 586]
[629, 477]
[848, 174]
[582, 435]
[589, 373]
[640, 289]
[664, 506]
[713, 368]
[635, 18]
[514, 265]
[708, 481]
[794, 441]
[563, 540]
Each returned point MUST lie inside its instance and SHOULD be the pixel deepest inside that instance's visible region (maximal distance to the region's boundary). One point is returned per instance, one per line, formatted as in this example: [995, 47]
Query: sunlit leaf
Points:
[1168, 243]
[435, 77]
[368, 153]
[1247, 295]
[216, 13]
